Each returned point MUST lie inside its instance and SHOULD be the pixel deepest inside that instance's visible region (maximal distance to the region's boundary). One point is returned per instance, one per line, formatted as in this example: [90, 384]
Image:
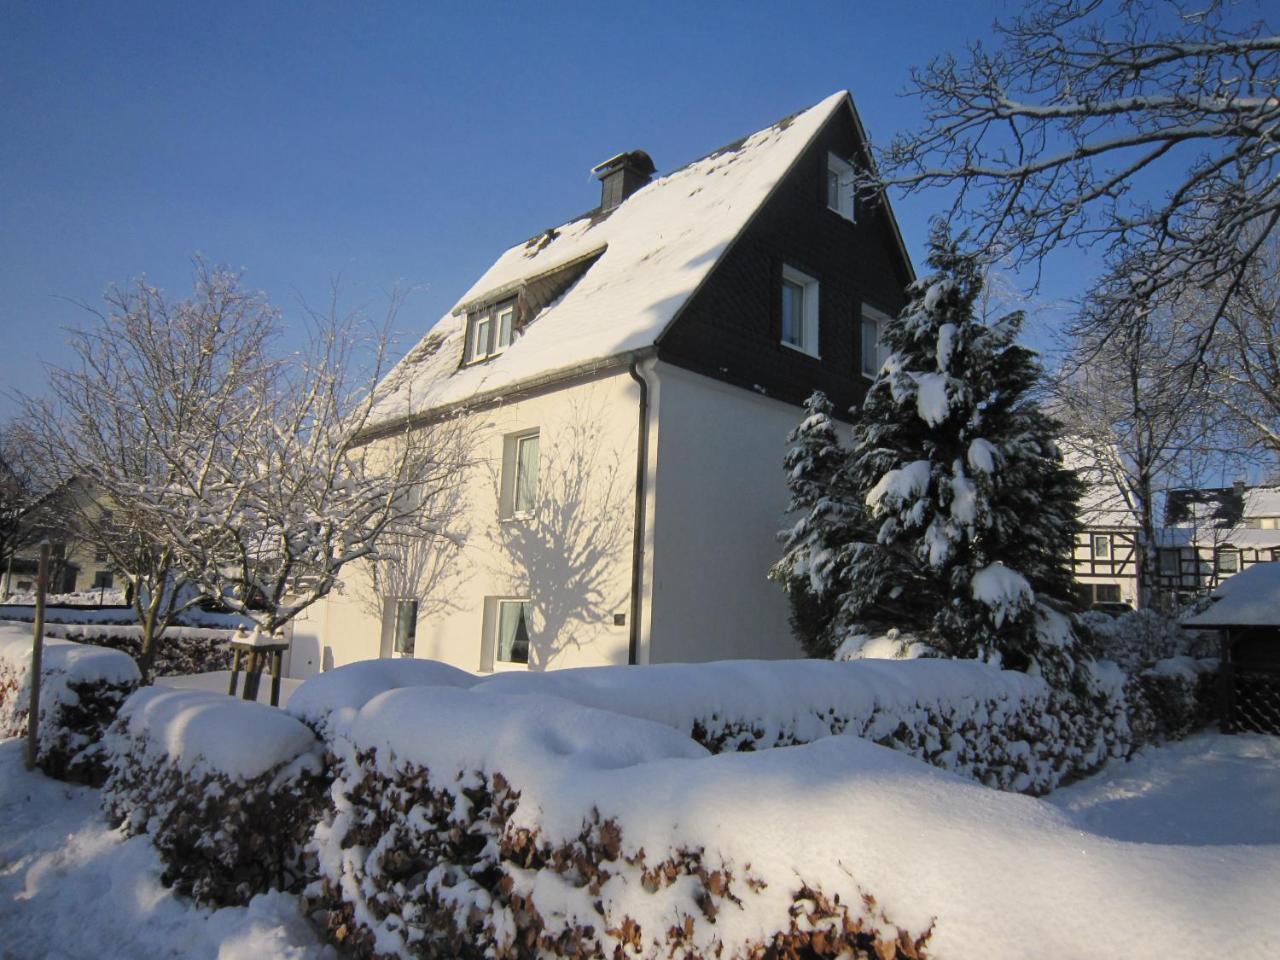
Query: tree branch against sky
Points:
[1143, 128]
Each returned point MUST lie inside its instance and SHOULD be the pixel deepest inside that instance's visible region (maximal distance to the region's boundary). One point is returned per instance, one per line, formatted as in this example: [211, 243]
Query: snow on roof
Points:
[1237, 537]
[1262, 502]
[654, 251]
[1250, 598]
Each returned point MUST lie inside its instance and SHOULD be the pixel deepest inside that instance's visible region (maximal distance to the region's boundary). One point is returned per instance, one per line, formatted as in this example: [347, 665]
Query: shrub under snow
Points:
[476, 825]
[328, 701]
[180, 651]
[1002, 727]
[82, 688]
[229, 791]
[470, 824]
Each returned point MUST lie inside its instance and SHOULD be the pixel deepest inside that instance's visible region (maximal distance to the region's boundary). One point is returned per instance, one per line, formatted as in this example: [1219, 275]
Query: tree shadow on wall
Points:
[571, 557]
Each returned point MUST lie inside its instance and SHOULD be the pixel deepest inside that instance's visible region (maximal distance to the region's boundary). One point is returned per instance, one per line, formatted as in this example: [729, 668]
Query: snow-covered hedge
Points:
[1172, 698]
[229, 791]
[1138, 639]
[1001, 727]
[479, 825]
[180, 651]
[328, 701]
[82, 688]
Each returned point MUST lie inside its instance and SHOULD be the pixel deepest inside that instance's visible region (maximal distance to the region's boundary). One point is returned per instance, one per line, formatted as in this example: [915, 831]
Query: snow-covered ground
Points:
[1208, 790]
[71, 888]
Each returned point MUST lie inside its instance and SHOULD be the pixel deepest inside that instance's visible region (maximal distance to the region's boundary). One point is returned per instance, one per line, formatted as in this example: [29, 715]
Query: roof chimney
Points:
[621, 176]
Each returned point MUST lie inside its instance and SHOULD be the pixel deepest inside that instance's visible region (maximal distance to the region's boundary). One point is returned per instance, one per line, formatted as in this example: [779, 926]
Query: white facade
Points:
[715, 497]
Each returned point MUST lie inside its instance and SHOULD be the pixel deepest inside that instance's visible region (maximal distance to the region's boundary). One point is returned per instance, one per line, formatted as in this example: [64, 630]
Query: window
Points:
[1101, 546]
[1228, 561]
[526, 492]
[873, 353]
[405, 631]
[840, 187]
[102, 580]
[513, 631]
[1106, 593]
[100, 555]
[519, 475]
[1169, 563]
[799, 311]
[490, 331]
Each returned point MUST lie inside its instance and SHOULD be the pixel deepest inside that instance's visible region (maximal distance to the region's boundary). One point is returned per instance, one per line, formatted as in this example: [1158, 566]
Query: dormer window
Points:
[840, 187]
[489, 331]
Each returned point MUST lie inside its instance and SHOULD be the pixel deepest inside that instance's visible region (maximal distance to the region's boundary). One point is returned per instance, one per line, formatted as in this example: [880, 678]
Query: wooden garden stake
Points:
[37, 651]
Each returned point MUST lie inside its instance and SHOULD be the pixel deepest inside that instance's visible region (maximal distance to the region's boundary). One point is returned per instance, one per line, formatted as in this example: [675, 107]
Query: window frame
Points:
[1103, 539]
[1221, 555]
[491, 319]
[868, 313]
[513, 444]
[527, 613]
[1169, 557]
[846, 195]
[397, 648]
[810, 318]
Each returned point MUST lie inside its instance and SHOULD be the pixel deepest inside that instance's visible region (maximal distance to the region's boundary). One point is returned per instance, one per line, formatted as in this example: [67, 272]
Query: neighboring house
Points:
[1209, 534]
[1104, 555]
[1213, 533]
[628, 380]
[75, 563]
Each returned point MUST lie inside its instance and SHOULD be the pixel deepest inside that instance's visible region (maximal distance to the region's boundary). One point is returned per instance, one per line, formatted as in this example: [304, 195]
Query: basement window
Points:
[490, 331]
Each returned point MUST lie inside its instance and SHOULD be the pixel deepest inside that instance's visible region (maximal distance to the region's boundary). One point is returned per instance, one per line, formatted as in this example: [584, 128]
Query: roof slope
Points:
[658, 247]
[1249, 598]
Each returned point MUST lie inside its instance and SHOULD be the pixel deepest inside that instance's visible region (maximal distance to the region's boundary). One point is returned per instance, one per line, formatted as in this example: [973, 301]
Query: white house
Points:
[627, 381]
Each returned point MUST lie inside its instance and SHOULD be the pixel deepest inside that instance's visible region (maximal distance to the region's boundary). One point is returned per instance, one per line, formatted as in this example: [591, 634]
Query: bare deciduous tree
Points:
[1147, 128]
[1141, 420]
[304, 479]
[157, 387]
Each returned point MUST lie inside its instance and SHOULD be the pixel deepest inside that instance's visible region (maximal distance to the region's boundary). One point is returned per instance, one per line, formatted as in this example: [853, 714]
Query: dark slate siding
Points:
[731, 328]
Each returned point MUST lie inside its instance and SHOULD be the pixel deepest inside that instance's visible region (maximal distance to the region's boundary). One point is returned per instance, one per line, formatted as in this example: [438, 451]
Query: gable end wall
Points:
[731, 328]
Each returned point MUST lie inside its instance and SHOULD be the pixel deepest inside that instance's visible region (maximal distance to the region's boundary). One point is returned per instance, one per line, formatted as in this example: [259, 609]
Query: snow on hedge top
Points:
[451, 731]
[1250, 598]
[996, 875]
[773, 697]
[79, 662]
[205, 732]
[658, 246]
[329, 701]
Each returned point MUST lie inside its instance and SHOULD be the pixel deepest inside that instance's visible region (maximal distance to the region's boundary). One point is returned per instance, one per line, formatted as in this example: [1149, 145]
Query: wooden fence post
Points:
[37, 655]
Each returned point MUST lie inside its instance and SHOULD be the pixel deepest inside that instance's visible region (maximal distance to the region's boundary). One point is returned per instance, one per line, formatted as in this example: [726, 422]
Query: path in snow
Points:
[71, 888]
[1208, 790]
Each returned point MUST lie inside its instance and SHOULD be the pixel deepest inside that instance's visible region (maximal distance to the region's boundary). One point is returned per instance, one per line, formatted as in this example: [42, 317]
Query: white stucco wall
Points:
[572, 558]
[719, 501]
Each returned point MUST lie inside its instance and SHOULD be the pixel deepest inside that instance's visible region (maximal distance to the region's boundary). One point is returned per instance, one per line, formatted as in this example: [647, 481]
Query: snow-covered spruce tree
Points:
[827, 516]
[960, 471]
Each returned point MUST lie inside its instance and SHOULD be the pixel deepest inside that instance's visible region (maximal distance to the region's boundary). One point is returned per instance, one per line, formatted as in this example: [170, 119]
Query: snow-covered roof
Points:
[1251, 598]
[653, 253]
[1262, 502]
[1246, 538]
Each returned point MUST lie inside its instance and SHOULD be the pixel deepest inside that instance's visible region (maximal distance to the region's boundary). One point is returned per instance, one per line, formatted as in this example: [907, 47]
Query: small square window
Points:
[1106, 593]
[1228, 561]
[841, 190]
[872, 353]
[799, 311]
[100, 555]
[103, 579]
[1169, 562]
[1101, 546]
[512, 644]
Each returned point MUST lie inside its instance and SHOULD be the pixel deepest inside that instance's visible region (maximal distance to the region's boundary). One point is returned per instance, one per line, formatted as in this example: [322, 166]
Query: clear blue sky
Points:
[381, 143]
